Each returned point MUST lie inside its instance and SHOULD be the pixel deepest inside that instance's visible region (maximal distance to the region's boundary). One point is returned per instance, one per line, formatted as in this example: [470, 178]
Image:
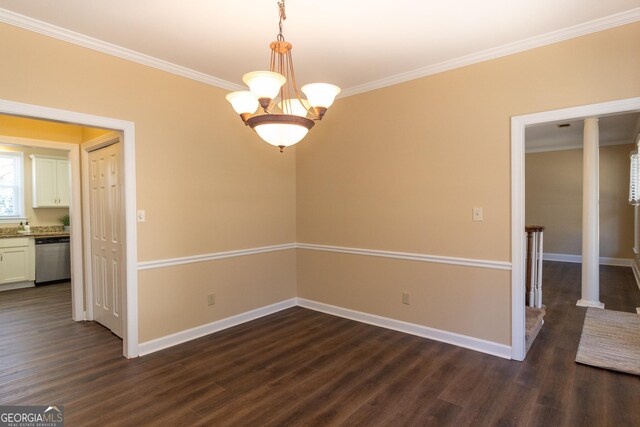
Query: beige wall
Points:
[206, 182]
[554, 199]
[397, 169]
[174, 298]
[375, 285]
[401, 168]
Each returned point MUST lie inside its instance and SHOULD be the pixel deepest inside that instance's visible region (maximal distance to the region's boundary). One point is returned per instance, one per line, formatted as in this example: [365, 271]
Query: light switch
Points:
[142, 216]
[477, 214]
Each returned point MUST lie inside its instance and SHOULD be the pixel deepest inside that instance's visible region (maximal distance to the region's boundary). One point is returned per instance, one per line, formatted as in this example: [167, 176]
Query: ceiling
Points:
[356, 44]
[614, 130]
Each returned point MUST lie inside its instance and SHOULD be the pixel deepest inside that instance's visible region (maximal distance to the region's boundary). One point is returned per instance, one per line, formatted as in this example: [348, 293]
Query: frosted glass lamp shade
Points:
[295, 107]
[243, 102]
[264, 84]
[281, 130]
[321, 94]
[281, 135]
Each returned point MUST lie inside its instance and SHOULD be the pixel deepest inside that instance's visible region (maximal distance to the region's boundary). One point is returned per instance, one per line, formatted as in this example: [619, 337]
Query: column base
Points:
[587, 303]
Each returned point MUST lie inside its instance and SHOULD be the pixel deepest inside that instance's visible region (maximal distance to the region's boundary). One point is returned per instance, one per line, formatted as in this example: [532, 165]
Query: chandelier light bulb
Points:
[243, 102]
[264, 84]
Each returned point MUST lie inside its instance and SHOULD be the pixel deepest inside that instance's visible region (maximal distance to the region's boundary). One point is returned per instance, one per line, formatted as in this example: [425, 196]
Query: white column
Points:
[591, 216]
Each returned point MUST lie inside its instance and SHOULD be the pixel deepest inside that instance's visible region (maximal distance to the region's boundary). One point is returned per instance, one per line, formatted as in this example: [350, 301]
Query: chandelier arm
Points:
[310, 110]
[291, 77]
[285, 87]
[272, 62]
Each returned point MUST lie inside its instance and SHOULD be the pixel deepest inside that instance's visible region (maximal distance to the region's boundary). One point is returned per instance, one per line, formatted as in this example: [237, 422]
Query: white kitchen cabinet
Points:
[17, 260]
[50, 179]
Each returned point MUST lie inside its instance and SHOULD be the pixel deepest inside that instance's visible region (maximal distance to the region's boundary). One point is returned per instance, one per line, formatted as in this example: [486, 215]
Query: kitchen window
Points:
[11, 187]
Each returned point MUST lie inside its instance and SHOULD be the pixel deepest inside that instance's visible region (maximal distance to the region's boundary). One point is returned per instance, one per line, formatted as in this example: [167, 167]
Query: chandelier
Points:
[285, 117]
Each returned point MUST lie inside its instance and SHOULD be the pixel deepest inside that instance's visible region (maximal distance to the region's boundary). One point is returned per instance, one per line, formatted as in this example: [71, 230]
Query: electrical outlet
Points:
[477, 214]
[211, 299]
[405, 298]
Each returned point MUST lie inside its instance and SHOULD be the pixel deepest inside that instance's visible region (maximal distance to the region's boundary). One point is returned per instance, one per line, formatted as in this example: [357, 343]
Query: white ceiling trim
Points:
[596, 25]
[60, 33]
[570, 147]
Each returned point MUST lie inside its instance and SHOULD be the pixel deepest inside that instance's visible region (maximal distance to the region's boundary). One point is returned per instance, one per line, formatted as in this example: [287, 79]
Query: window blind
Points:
[634, 175]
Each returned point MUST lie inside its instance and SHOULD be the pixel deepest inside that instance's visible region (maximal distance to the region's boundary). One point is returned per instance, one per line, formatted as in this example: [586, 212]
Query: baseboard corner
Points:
[180, 337]
[471, 343]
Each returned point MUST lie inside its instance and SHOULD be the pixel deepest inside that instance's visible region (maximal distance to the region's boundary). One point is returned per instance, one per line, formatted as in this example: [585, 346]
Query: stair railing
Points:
[534, 265]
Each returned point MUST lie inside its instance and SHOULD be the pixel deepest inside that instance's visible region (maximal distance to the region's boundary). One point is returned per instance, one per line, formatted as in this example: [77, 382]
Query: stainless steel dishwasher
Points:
[53, 260]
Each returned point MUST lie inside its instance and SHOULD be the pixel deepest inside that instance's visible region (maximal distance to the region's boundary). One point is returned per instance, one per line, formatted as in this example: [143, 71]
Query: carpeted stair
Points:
[534, 319]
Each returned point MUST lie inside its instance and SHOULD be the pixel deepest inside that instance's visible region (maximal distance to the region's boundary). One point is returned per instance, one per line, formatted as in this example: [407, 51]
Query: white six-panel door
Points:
[107, 249]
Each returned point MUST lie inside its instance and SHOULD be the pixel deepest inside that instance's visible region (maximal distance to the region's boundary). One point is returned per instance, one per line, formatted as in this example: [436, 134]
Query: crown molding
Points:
[589, 27]
[60, 33]
[63, 34]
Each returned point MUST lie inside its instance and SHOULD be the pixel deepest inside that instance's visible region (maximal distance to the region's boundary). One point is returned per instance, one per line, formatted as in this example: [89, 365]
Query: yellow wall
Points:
[554, 199]
[401, 168]
[91, 133]
[40, 129]
[206, 182]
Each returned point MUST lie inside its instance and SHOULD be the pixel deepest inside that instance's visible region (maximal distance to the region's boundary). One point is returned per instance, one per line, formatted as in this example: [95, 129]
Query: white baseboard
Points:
[620, 262]
[587, 303]
[17, 285]
[472, 343]
[476, 344]
[200, 331]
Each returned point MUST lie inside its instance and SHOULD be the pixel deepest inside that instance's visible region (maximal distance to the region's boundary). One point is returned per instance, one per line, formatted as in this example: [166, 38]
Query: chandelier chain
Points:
[283, 17]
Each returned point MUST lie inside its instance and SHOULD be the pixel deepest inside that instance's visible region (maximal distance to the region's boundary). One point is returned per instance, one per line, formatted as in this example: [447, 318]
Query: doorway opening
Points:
[125, 130]
[518, 239]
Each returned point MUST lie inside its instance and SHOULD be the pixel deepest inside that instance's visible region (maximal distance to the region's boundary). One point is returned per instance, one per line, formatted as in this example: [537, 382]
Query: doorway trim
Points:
[518, 245]
[127, 129]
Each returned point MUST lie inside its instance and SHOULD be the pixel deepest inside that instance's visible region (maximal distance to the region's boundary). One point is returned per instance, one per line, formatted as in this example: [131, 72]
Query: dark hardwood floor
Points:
[300, 367]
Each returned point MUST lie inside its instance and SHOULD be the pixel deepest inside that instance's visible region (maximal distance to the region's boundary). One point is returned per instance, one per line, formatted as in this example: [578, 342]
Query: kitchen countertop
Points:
[37, 234]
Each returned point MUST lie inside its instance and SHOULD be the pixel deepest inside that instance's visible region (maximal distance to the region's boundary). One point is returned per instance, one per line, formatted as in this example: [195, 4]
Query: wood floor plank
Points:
[304, 368]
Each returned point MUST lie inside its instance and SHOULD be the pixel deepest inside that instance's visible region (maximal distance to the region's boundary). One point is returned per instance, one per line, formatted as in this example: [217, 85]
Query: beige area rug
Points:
[610, 340]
